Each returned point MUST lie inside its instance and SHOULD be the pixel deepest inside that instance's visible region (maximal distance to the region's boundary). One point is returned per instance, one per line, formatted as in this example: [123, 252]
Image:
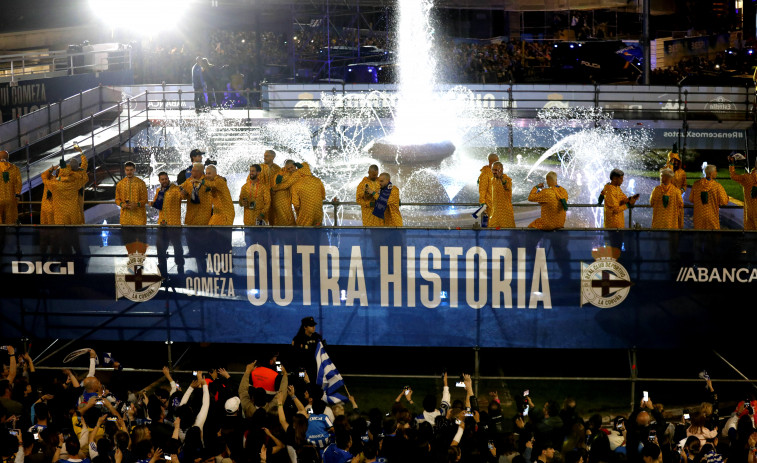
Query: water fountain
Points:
[432, 138]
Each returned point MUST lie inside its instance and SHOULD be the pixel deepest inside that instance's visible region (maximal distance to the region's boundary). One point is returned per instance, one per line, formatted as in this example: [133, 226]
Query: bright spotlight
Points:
[146, 16]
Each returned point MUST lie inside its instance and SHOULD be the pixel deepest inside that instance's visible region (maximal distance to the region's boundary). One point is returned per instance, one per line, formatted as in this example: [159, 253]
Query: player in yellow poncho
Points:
[499, 199]
[308, 194]
[707, 195]
[749, 184]
[168, 201]
[554, 204]
[46, 209]
[616, 202]
[484, 177]
[365, 200]
[255, 197]
[64, 184]
[131, 197]
[386, 202]
[268, 173]
[223, 205]
[281, 196]
[10, 190]
[666, 202]
[679, 179]
[199, 197]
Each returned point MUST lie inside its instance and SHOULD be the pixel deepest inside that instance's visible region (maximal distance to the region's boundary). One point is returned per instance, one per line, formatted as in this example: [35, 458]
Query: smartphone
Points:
[112, 418]
[646, 396]
[491, 444]
[460, 384]
[686, 416]
[525, 410]
[310, 411]
[457, 421]
[99, 402]
[468, 414]
[167, 457]
[302, 374]
[653, 436]
[278, 366]
[526, 393]
[407, 390]
[194, 373]
[3, 347]
[14, 432]
[36, 436]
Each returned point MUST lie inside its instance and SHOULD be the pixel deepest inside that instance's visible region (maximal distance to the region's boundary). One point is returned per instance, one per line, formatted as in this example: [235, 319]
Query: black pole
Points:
[646, 42]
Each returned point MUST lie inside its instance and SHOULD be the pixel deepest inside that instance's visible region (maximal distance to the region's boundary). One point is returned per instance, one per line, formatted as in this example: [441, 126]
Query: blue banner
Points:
[406, 287]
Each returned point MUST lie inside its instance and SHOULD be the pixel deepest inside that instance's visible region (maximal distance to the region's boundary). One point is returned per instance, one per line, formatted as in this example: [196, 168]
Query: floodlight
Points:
[145, 16]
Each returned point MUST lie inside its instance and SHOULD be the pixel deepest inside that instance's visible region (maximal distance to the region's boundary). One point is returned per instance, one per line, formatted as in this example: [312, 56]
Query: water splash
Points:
[588, 147]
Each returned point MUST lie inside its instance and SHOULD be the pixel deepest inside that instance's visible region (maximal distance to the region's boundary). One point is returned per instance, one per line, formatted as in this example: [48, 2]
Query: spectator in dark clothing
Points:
[547, 424]
[644, 425]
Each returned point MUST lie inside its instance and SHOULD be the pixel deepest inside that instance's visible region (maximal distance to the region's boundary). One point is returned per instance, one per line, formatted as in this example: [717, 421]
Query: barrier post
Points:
[476, 368]
[180, 104]
[147, 104]
[81, 106]
[29, 184]
[94, 153]
[510, 123]
[634, 376]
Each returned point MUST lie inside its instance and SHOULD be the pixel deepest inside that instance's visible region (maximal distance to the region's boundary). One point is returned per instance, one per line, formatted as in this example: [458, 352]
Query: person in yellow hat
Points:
[484, 177]
[255, 197]
[679, 179]
[308, 194]
[281, 212]
[499, 199]
[64, 184]
[554, 204]
[366, 201]
[131, 197]
[616, 202]
[708, 195]
[748, 182]
[666, 202]
[223, 205]
[10, 190]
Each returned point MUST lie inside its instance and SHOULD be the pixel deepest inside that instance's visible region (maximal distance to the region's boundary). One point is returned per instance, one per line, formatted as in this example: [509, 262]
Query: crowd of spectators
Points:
[695, 65]
[491, 63]
[460, 61]
[270, 415]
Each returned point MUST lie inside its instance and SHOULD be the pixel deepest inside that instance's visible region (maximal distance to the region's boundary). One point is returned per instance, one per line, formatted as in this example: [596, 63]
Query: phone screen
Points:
[526, 393]
[686, 416]
[278, 366]
[525, 410]
[459, 384]
[194, 373]
[646, 395]
[302, 374]
[491, 444]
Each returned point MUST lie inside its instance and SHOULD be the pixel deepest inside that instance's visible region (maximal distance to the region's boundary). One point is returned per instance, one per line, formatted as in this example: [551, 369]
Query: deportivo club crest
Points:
[604, 283]
[137, 280]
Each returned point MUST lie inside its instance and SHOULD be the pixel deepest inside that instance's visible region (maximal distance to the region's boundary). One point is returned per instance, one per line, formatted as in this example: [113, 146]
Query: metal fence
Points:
[63, 63]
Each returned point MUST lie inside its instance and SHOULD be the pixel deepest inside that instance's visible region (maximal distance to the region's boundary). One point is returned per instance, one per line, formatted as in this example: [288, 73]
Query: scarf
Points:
[158, 203]
[380, 208]
[195, 197]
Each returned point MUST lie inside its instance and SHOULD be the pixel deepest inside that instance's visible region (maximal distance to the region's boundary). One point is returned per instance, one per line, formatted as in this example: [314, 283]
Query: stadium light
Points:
[145, 16]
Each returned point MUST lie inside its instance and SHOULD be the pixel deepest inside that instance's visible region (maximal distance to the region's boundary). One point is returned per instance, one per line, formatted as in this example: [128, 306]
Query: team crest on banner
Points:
[604, 283]
[137, 279]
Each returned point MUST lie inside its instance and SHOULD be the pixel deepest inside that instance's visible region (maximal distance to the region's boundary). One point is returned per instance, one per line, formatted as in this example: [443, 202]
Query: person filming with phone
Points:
[643, 427]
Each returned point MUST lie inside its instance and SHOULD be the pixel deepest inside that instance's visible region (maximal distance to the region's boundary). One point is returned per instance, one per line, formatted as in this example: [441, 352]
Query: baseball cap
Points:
[195, 152]
[232, 405]
[308, 321]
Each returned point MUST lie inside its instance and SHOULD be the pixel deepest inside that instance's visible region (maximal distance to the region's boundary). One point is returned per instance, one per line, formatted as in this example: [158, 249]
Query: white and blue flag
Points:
[328, 377]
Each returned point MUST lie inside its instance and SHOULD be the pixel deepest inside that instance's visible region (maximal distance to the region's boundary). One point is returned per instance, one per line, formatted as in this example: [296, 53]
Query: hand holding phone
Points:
[646, 396]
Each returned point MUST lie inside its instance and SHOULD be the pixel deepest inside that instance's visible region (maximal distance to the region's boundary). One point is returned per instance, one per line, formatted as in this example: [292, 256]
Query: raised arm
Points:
[92, 363]
[244, 393]
[167, 374]
[203, 415]
[12, 359]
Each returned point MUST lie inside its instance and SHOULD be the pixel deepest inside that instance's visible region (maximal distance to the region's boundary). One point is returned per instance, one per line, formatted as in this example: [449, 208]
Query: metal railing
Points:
[63, 62]
[336, 205]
